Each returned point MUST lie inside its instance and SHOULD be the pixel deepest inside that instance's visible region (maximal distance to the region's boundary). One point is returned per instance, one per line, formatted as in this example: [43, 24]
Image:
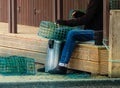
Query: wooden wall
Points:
[114, 44]
[73, 4]
[31, 12]
[3, 10]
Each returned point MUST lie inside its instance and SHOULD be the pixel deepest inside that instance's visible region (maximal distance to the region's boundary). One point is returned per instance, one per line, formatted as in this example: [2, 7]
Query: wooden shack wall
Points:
[31, 12]
[3, 10]
[73, 4]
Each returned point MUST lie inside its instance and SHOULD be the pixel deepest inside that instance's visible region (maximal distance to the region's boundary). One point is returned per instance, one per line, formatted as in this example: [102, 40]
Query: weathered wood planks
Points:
[114, 44]
[90, 58]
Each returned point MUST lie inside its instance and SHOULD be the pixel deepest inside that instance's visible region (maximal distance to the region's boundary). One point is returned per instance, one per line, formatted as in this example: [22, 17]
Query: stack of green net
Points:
[16, 65]
[51, 30]
[114, 4]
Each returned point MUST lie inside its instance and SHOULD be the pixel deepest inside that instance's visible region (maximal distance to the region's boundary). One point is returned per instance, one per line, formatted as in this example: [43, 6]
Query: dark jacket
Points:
[93, 19]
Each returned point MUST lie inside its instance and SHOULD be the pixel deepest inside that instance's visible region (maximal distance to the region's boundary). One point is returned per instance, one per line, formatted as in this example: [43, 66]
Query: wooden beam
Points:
[12, 16]
[54, 10]
[106, 15]
[6, 51]
[114, 44]
[59, 9]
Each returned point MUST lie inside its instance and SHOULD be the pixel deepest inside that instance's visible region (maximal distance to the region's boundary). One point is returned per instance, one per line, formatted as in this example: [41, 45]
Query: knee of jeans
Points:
[70, 33]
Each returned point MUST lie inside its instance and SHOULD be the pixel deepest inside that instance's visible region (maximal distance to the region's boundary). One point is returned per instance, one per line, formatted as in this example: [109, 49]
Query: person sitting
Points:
[93, 21]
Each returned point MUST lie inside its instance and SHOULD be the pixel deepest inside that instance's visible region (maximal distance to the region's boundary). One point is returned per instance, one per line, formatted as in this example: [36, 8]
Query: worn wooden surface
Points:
[84, 65]
[25, 43]
[106, 14]
[114, 44]
[8, 51]
[90, 52]
[90, 58]
[103, 61]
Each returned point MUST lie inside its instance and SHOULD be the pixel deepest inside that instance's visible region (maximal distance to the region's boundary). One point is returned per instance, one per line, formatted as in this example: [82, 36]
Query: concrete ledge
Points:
[88, 83]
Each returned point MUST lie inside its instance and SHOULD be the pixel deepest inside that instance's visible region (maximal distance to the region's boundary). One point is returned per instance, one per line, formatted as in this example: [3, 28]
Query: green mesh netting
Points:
[114, 4]
[51, 30]
[17, 65]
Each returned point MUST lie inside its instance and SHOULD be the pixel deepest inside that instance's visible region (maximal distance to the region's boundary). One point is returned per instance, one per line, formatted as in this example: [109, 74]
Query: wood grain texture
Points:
[84, 65]
[90, 58]
[22, 43]
[39, 57]
[114, 44]
[25, 43]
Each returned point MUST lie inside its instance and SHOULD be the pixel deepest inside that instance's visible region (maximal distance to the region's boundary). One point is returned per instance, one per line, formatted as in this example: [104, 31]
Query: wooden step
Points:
[7, 51]
[90, 58]
[30, 44]
[25, 43]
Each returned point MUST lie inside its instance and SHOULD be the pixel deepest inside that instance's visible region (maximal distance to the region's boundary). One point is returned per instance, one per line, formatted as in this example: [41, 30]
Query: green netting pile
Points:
[114, 4]
[16, 65]
[51, 30]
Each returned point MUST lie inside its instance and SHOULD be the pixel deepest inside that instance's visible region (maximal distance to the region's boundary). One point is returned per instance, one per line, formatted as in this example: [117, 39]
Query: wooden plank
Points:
[14, 15]
[59, 9]
[90, 52]
[24, 43]
[87, 53]
[89, 66]
[84, 65]
[103, 68]
[114, 53]
[54, 16]
[106, 14]
[103, 55]
[90, 55]
[39, 57]
[10, 15]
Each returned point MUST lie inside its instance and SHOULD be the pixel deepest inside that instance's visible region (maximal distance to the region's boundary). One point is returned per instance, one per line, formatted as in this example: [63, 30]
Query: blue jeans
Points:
[73, 36]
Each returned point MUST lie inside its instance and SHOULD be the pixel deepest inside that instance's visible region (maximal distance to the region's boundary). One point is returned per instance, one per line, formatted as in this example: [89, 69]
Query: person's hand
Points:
[77, 14]
[61, 22]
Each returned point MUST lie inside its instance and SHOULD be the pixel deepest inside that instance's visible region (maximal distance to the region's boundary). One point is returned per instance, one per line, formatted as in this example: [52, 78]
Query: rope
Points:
[104, 43]
[114, 61]
[107, 47]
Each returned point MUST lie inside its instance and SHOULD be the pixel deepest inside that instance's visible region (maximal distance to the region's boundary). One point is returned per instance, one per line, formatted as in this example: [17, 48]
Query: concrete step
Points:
[39, 82]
